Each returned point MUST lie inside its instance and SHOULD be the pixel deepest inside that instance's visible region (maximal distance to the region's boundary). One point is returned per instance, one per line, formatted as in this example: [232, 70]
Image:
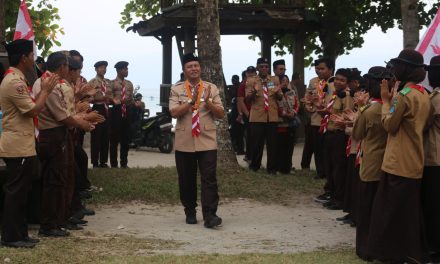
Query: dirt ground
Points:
[248, 226]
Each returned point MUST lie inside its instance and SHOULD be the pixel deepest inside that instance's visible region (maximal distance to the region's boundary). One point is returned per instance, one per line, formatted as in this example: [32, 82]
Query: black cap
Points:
[251, 69]
[409, 57]
[278, 62]
[138, 95]
[74, 64]
[101, 63]
[378, 72]
[262, 61]
[434, 63]
[39, 60]
[189, 57]
[19, 47]
[121, 65]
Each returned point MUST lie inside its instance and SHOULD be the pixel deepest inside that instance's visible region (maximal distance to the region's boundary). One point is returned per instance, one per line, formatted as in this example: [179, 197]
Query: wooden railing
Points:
[296, 3]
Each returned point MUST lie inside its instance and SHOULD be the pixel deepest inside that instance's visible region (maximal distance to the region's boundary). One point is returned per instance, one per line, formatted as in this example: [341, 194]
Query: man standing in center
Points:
[122, 93]
[196, 104]
[263, 91]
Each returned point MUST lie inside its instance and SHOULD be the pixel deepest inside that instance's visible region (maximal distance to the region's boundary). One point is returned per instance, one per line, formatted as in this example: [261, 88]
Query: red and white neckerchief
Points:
[348, 147]
[31, 94]
[417, 87]
[123, 96]
[195, 122]
[103, 92]
[265, 95]
[326, 118]
[320, 88]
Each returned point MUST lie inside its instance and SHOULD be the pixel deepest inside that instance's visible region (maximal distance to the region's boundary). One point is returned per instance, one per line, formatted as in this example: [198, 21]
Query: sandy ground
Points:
[248, 226]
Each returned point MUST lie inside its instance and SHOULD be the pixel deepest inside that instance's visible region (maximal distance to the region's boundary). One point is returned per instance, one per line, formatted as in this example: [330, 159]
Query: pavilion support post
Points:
[189, 41]
[167, 63]
[266, 46]
[298, 60]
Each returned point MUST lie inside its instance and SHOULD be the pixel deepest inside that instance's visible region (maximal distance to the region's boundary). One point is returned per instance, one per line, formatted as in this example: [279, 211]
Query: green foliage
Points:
[44, 17]
[333, 27]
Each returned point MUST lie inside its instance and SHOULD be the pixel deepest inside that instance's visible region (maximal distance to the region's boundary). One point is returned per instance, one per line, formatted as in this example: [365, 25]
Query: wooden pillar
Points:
[298, 59]
[266, 47]
[167, 58]
[189, 41]
[2, 24]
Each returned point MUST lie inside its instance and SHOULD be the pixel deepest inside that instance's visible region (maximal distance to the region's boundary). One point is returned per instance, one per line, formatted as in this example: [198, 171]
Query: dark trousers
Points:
[186, 164]
[16, 189]
[308, 147]
[119, 135]
[70, 186]
[53, 156]
[82, 181]
[285, 145]
[335, 164]
[99, 140]
[351, 190]
[260, 133]
[237, 134]
[247, 127]
[430, 206]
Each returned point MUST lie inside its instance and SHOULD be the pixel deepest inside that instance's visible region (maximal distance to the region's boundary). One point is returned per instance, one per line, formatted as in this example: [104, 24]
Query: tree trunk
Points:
[208, 46]
[2, 24]
[410, 23]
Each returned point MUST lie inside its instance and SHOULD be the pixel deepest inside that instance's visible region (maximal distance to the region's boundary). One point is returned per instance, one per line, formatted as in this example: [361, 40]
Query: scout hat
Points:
[409, 57]
[262, 61]
[434, 63]
[74, 64]
[188, 58]
[378, 72]
[121, 65]
[101, 63]
[19, 47]
[251, 69]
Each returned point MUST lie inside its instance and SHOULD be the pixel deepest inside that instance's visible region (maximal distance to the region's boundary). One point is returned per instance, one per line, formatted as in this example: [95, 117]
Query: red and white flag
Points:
[429, 45]
[23, 29]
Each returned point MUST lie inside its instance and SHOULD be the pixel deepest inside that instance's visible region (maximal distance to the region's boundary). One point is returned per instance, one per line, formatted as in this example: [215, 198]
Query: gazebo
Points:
[263, 18]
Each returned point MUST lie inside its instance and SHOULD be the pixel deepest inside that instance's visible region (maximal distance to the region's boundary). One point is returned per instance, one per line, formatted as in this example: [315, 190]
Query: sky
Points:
[91, 27]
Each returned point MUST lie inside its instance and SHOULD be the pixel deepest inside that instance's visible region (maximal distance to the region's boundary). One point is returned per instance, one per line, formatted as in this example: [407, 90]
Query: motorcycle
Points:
[154, 132]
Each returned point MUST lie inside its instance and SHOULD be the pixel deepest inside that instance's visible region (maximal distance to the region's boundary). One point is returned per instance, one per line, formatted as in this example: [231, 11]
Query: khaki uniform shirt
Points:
[404, 119]
[315, 118]
[432, 135]
[18, 136]
[257, 113]
[368, 128]
[184, 141]
[338, 107]
[55, 109]
[69, 97]
[98, 83]
[116, 90]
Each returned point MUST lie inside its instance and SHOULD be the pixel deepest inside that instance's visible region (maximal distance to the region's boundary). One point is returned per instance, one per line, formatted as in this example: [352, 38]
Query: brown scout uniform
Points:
[17, 148]
[263, 124]
[192, 151]
[120, 127]
[53, 155]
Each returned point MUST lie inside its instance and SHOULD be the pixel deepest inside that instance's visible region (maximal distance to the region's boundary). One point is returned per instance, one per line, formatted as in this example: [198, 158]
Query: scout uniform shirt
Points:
[289, 103]
[368, 128]
[316, 89]
[184, 141]
[257, 113]
[55, 109]
[69, 96]
[102, 87]
[404, 118]
[116, 90]
[340, 104]
[18, 137]
[432, 135]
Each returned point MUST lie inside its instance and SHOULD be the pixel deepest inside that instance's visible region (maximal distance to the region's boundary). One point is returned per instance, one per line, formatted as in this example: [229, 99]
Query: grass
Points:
[160, 185]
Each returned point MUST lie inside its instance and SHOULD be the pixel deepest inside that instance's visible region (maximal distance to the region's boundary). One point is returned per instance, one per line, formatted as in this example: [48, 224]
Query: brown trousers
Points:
[186, 164]
[53, 156]
[20, 172]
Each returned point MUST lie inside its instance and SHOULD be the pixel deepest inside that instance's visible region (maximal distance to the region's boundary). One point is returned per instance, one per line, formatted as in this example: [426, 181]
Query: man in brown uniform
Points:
[431, 171]
[263, 91]
[196, 104]
[54, 121]
[99, 140]
[368, 128]
[122, 94]
[17, 142]
[395, 229]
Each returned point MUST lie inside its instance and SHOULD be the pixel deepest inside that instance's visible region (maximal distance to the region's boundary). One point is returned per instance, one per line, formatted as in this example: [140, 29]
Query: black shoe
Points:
[343, 218]
[328, 203]
[87, 211]
[191, 219]
[78, 214]
[334, 207]
[124, 167]
[435, 257]
[74, 227]
[272, 172]
[85, 195]
[53, 232]
[18, 244]
[323, 198]
[31, 240]
[103, 165]
[240, 153]
[77, 221]
[213, 221]
[95, 166]
[114, 166]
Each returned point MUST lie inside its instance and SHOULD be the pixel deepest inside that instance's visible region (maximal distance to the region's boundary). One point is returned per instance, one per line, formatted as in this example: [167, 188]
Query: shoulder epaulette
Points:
[434, 93]
[405, 91]
[363, 108]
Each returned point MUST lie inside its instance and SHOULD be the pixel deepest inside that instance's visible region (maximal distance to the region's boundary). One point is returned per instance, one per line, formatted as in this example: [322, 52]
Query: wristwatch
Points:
[190, 101]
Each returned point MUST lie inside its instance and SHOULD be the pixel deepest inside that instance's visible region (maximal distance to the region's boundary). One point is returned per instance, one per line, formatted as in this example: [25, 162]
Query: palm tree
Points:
[410, 23]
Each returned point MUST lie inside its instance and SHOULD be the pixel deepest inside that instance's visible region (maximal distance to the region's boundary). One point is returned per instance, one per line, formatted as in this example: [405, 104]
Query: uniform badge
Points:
[393, 107]
[21, 89]
[270, 85]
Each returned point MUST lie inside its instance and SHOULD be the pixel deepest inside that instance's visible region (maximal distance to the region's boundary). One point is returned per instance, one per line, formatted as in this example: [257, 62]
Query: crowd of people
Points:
[375, 140]
[43, 133]
[374, 137]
